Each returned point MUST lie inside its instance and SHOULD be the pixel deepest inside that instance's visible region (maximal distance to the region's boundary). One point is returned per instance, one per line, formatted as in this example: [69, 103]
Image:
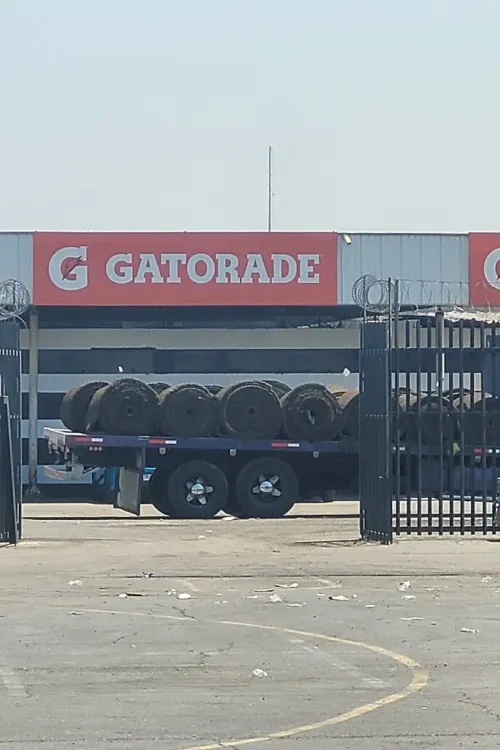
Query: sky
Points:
[383, 115]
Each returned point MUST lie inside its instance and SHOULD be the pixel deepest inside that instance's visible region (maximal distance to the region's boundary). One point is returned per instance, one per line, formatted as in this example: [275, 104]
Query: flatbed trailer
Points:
[198, 477]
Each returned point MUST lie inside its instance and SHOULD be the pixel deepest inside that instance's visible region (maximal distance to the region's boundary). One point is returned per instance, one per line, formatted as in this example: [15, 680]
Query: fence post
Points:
[32, 490]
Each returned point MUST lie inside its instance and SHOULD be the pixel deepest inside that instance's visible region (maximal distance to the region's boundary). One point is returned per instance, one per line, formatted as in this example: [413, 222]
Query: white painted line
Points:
[13, 683]
[343, 666]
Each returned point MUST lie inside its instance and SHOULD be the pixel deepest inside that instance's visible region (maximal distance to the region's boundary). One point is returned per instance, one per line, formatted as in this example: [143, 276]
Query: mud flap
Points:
[129, 494]
[130, 486]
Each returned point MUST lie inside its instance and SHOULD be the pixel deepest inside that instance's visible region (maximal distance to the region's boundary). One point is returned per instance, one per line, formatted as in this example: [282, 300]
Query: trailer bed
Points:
[66, 441]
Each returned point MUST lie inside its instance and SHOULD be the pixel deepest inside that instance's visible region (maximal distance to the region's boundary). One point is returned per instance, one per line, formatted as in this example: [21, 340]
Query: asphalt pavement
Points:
[148, 633]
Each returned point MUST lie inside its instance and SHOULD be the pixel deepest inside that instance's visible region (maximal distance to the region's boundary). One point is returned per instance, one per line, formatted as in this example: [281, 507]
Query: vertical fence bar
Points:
[485, 457]
[493, 387]
[361, 386]
[451, 429]
[418, 346]
[462, 445]
[408, 453]
[431, 458]
[394, 406]
[471, 521]
[439, 383]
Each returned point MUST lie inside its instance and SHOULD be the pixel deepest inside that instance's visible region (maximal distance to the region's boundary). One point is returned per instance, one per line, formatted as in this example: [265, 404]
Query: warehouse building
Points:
[214, 308]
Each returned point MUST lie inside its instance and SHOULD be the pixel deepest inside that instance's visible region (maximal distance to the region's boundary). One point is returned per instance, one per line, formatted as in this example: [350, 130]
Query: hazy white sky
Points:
[157, 114]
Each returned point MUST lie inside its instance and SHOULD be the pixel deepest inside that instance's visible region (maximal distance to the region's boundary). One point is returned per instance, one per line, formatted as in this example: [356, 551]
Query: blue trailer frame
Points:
[65, 440]
[122, 464]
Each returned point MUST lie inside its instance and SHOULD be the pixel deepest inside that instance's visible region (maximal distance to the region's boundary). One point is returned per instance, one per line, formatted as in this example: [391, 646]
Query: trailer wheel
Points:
[266, 488]
[157, 491]
[197, 489]
[233, 508]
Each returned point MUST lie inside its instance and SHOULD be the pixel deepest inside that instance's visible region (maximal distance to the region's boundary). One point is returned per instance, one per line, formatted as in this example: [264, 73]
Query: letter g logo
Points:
[491, 274]
[68, 268]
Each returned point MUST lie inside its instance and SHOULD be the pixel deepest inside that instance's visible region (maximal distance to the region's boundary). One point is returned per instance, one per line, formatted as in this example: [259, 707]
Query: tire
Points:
[254, 504]
[182, 502]
[233, 508]
[157, 491]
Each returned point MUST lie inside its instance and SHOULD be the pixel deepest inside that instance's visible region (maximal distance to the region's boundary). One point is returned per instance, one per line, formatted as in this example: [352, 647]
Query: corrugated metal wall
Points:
[434, 268]
[16, 257]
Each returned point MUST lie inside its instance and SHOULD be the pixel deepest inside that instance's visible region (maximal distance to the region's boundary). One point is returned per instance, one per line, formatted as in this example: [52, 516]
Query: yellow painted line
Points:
[420, 678]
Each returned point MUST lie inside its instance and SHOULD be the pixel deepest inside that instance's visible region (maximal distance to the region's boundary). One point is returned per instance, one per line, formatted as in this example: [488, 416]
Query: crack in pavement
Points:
[468, 700]
[184, 614]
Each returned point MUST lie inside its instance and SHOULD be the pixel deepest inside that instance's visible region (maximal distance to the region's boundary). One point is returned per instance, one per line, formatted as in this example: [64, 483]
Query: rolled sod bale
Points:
[311, 412]
[75, 404]
[158, 388]
[426, 414]
[125, 407]
[188, 410]
[349, 403]
[250, 409]
[481, 417]
[214, 389]
[280, 389]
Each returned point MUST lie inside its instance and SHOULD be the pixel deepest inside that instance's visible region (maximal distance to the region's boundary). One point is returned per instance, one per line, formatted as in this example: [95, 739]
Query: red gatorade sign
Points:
[184, 268]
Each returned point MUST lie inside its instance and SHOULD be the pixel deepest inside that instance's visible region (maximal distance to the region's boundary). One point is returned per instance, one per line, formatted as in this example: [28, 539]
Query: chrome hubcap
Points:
[267, 487]
[198, 491]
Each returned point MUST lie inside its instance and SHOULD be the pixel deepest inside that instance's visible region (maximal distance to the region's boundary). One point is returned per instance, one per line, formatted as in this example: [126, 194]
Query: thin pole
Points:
[33, 405]
[270, 190]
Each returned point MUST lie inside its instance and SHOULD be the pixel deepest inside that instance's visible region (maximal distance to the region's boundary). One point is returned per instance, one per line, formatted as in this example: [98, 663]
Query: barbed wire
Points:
[14, 299]
[378, 296]
[373, 295]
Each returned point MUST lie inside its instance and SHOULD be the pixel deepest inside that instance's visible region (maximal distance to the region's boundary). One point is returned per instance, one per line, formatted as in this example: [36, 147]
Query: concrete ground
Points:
[289, 634]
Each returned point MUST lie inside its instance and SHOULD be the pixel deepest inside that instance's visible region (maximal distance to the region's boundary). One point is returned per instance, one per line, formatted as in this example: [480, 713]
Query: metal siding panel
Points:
[433, 268]
[16, 254]
[54, 384]
[217, 338]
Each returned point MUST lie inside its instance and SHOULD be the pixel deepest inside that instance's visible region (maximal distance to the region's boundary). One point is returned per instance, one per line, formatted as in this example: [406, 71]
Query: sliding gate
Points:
[429, 426]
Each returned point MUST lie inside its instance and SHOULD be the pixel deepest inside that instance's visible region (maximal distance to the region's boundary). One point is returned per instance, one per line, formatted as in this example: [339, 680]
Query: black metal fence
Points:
[375, 436]
[10, 433]
[441, 386]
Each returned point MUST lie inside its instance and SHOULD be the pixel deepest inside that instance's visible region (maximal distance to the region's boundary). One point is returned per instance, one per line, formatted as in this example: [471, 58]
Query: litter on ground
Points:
[259, 673]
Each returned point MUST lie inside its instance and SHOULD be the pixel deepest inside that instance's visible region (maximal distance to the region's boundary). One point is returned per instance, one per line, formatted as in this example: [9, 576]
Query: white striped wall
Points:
[201, 339]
